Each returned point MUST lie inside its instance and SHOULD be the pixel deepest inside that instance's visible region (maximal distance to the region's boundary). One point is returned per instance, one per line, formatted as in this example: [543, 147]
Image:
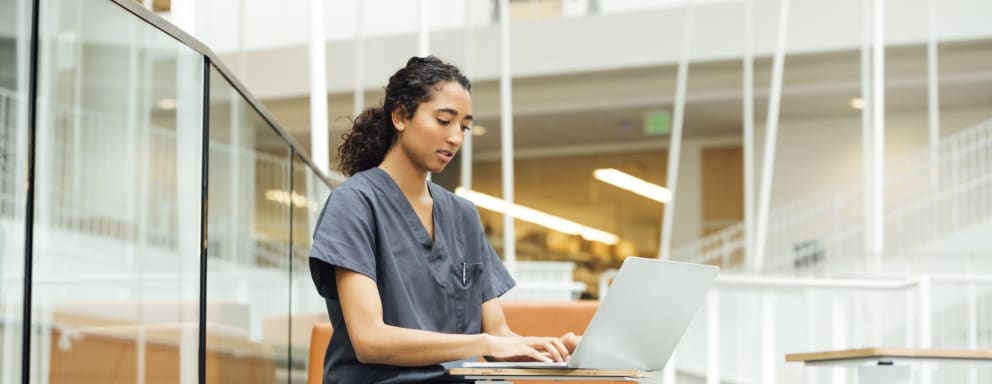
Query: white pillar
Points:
[838, 335]
[424, 37]
[319, 136]
[868, 178]
[358, 101]
[933, 95]
[748, 125]
[769, 356]
[876, 231]
[506, 136]
[467, 155]
[675, 145]
[771, 133]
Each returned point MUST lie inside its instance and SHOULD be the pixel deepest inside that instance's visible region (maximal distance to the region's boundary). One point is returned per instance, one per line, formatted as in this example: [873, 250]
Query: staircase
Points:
[926, 199]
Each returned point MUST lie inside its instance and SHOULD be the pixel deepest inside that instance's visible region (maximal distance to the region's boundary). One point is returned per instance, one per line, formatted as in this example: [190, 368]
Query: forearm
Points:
[386, 344]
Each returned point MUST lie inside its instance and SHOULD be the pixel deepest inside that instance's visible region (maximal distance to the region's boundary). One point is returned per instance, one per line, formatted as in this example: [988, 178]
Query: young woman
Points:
[411, 284]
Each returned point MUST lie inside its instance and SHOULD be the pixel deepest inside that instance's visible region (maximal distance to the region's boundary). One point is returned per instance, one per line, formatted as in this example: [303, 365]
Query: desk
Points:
[503, 375]
[889, 365]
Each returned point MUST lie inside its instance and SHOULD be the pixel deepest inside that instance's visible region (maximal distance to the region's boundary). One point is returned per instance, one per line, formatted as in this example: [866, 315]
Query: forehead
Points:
[451, 94]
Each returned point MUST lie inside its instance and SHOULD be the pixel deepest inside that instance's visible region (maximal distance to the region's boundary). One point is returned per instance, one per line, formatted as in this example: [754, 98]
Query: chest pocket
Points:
[466, 296]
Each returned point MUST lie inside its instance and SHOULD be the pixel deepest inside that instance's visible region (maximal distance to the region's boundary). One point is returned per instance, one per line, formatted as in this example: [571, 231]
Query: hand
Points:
[570, 340]
[544, 349]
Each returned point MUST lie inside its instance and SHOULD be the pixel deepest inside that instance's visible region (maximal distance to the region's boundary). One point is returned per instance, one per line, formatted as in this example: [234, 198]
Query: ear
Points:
[399, 121]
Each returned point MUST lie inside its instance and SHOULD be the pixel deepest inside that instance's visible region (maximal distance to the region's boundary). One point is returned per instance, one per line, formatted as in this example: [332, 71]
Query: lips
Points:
[445, 155]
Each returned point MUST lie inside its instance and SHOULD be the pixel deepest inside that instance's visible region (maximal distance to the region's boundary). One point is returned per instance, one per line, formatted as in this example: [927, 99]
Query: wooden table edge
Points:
[869, 353]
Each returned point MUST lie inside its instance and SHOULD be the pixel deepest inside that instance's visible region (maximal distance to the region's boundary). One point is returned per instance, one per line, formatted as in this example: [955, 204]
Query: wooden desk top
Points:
[871, 353]
[518, 372]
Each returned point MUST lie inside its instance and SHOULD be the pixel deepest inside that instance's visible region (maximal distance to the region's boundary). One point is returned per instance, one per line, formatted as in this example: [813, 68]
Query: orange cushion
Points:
[319, 338]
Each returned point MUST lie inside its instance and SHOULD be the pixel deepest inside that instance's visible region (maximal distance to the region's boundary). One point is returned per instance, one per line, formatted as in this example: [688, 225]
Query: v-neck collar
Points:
[410, 215]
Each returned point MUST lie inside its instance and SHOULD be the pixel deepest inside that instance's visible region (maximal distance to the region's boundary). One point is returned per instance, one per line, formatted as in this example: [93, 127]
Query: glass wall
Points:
[248, 249]
[14, 48]
[117, 207]
[120, 205]
[307, 308]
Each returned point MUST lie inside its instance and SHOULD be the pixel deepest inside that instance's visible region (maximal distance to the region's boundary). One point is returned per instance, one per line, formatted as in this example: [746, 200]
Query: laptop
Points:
[640, 321]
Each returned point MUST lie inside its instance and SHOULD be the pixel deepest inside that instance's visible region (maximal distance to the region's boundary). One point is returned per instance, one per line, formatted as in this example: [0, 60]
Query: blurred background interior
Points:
[167, 151]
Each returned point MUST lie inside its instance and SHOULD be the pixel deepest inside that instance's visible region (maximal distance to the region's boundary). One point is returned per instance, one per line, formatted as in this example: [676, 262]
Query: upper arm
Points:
[360, 304]
[494, 320]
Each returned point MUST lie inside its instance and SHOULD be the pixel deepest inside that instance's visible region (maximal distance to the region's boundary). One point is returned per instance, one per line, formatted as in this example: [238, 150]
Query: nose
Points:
[456, 138]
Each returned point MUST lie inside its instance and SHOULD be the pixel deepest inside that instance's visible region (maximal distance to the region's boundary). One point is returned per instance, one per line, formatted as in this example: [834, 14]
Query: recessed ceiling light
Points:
[857, 103]
[478, 130]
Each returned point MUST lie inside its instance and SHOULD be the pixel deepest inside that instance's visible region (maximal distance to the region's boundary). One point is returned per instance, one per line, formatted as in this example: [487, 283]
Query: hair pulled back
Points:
[373, 133]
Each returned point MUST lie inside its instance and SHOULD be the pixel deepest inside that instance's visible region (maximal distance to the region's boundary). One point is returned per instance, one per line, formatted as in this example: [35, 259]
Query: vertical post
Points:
[924, 293]
[771, 133]
[423, 37]
[768, 340]
[358, 101]
[868, 178]
[713, 337]
[838, 336]
[319, 136]
[933, 95]
[467, 155]
[876, 232]
[972, 298]
[675, 145]
[749, 133]
[506, 137]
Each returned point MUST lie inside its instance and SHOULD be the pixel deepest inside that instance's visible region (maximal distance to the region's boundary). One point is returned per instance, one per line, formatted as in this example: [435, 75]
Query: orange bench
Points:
[524, 317]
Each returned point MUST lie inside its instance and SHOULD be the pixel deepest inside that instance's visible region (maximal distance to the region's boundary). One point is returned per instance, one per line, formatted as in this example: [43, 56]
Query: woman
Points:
[411, 283]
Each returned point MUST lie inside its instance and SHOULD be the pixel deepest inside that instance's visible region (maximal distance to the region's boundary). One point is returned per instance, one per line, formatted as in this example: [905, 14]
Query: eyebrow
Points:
[453, 112]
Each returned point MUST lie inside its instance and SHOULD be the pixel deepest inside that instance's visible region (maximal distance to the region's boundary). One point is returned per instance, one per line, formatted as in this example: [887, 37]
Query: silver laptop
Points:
[640, 322]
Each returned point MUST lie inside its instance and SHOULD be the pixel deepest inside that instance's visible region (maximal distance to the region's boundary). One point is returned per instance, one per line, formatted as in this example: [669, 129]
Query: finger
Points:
[562, 349]
[536, 355]
[550, 347]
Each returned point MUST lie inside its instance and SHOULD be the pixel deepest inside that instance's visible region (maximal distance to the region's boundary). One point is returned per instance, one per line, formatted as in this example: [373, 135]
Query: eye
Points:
[466, 128]
[443, 122]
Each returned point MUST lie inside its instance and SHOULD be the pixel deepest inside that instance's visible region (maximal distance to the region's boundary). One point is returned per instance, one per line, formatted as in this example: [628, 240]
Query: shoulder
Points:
[461, 206]
[359, 185]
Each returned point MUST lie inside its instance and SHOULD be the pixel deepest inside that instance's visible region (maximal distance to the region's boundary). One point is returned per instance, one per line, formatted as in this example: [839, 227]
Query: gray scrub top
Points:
[369, 227]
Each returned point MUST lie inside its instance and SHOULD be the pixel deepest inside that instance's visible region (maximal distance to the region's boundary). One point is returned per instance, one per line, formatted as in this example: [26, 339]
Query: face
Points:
[434, 134]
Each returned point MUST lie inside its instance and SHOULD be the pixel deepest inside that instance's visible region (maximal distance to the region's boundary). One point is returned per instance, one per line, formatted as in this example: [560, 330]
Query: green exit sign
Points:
[657, 123]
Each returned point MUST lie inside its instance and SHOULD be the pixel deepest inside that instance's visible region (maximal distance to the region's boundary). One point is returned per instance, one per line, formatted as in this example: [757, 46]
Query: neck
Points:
[411, 180]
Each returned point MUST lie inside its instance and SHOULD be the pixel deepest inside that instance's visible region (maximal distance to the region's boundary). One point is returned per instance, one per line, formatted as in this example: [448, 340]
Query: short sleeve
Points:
[497, 279]
[345, 237]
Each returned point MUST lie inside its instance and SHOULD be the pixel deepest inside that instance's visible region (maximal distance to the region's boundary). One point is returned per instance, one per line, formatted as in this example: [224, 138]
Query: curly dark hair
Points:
[373, 133]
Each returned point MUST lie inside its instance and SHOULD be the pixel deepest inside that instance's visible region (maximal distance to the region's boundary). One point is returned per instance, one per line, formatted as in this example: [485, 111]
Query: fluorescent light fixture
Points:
[478, 130]
[856, 103]
[284, 197]
[537, 217]
[622, 180]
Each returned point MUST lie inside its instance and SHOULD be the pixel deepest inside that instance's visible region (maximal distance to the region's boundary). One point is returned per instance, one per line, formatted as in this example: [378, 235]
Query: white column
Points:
[838, 335]
[866, 132]
[358, 101]
[675, 145]
[876, 231]
[933, 95]
[748, 125]
[319, 136]
[424, 37]
[771, 133]
[467, 155]
[506, 136]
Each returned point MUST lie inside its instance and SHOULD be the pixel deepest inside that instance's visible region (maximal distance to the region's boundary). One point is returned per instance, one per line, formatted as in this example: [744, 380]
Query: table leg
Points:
[885, 375]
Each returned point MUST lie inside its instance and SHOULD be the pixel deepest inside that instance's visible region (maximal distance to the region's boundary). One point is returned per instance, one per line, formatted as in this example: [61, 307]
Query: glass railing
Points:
[165, 216]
